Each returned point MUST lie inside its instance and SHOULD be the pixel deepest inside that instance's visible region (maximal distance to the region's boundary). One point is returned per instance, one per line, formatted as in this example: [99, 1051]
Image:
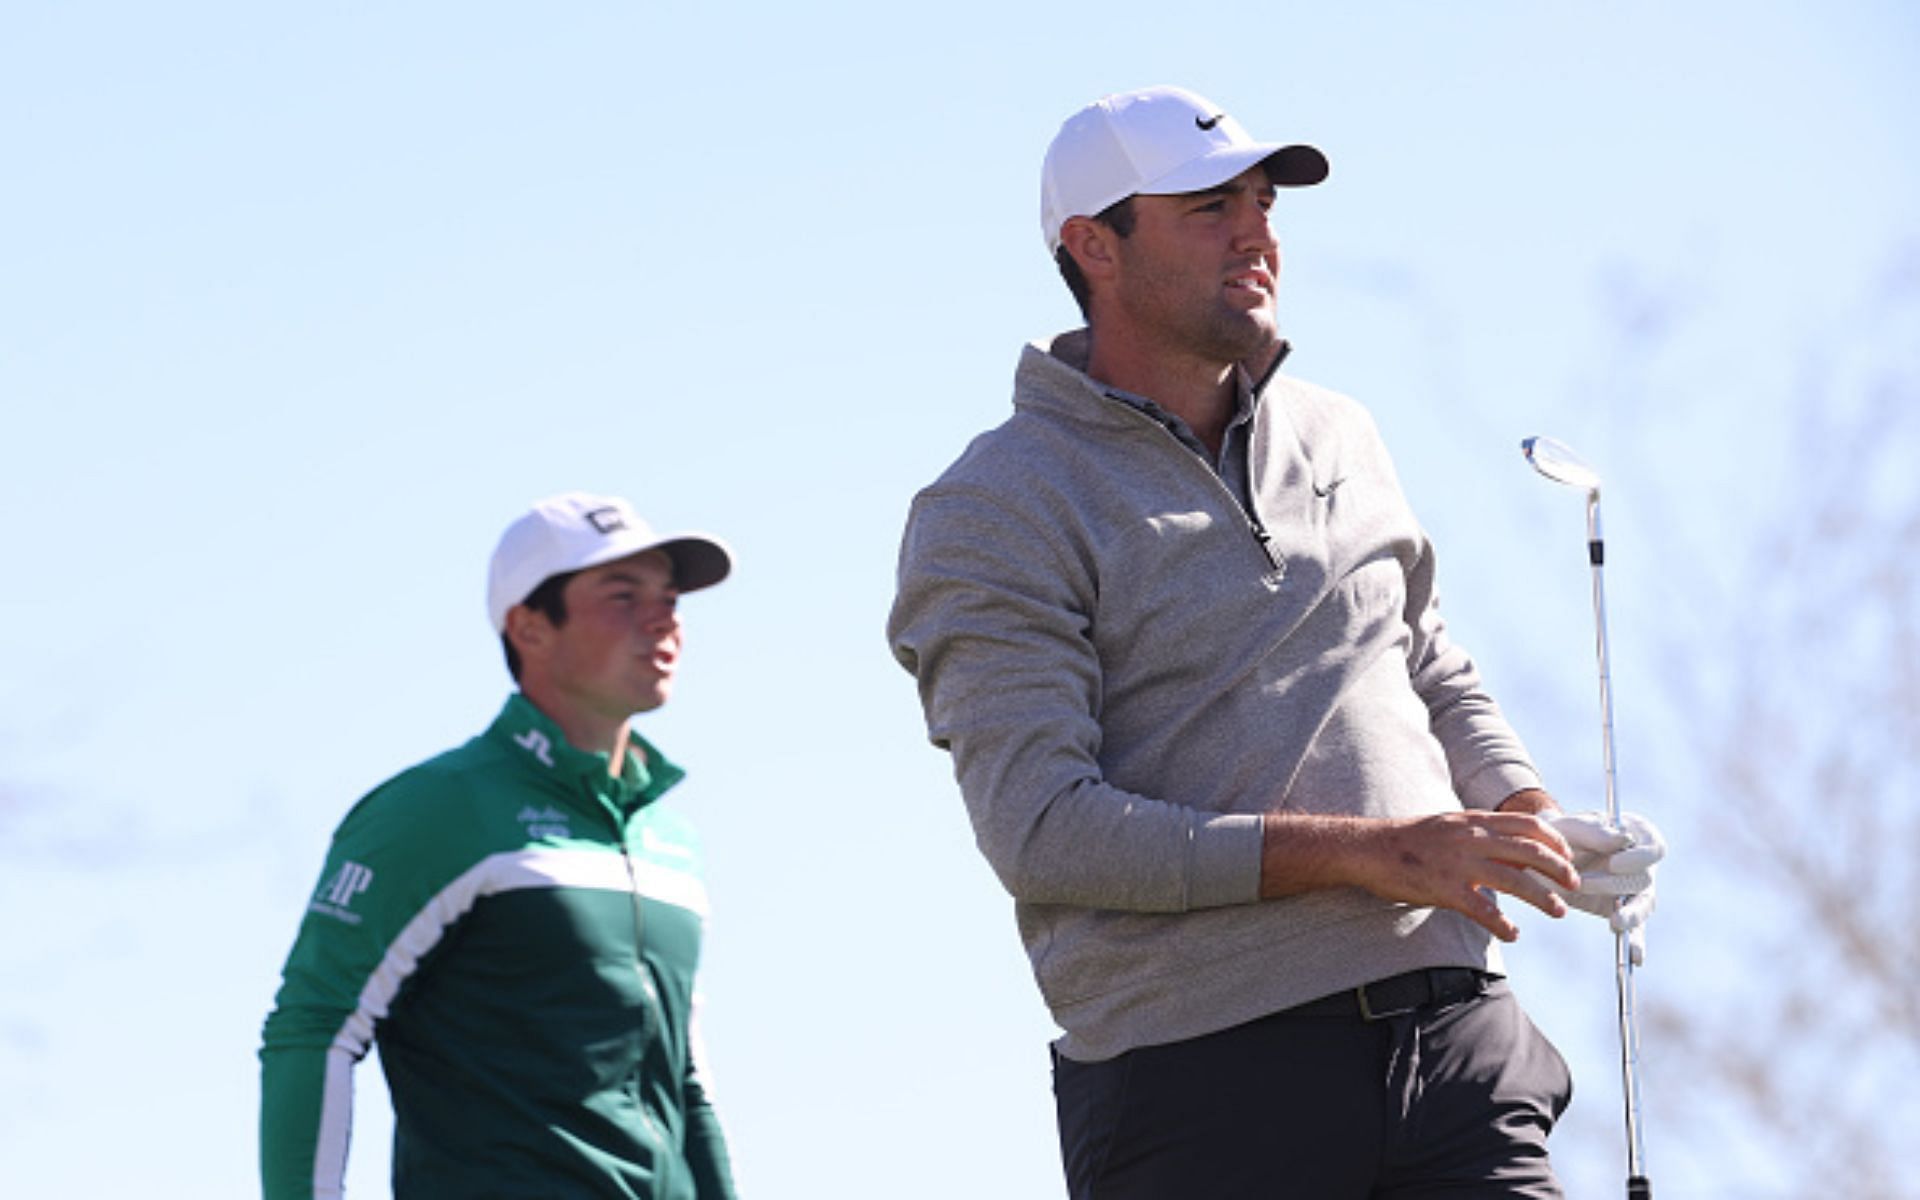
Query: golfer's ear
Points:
[529, 630]
[1093, 245]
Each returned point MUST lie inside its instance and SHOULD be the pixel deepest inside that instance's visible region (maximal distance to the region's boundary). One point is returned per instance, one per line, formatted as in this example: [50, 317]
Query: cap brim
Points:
[1296, 166]
[1287, 166]
[698, 561]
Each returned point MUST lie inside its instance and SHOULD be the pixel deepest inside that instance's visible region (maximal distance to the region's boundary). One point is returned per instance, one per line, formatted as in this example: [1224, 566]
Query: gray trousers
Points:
[1452, 1097]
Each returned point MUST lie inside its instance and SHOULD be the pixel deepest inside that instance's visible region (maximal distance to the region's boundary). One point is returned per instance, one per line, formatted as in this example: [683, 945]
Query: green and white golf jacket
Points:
[519, 931]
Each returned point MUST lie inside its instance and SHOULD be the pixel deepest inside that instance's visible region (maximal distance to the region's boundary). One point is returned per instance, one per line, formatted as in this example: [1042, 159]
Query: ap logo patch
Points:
[335, 897]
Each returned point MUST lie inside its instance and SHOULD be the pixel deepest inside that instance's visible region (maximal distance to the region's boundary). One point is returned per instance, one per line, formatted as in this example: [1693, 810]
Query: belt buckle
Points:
[1366, 1010]
[1369, 1013]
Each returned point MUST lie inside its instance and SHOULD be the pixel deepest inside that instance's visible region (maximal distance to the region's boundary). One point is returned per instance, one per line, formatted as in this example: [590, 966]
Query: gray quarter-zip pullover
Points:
[1130, 664]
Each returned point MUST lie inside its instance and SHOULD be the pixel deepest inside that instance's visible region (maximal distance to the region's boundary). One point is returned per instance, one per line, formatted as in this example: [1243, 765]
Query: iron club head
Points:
[1560, 464]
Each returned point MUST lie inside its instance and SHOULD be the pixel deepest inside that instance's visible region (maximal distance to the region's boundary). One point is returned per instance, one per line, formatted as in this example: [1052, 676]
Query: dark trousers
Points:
[1453, 1098]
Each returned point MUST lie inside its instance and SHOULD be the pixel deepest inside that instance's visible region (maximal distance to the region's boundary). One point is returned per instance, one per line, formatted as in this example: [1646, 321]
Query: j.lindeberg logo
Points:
[337, 893]
[1324, 492]
[1208, 124]
[535, 743]
[605, 520]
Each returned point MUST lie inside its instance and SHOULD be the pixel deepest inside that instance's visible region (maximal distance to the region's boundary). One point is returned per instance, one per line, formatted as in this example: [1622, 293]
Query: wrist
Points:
[1303, 853]
[1529, 800]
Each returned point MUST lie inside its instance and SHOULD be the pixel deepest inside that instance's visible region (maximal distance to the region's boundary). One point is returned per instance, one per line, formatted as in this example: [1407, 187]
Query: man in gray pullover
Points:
[1178, 628]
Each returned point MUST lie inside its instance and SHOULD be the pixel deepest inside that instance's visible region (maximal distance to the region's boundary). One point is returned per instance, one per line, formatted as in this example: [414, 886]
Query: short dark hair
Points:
[1120, 217]
[549, 600]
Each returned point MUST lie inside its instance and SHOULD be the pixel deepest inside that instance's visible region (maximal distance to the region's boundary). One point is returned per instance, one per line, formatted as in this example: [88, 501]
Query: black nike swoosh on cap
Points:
[1209, 123]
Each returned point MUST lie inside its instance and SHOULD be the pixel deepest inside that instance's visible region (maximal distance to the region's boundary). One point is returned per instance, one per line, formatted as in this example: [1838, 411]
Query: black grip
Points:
[1639, 1187]
[1597, 555]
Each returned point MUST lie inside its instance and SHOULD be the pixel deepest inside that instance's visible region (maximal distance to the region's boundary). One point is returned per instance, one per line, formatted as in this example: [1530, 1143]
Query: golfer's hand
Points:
[1616, 866]
[1459, 860]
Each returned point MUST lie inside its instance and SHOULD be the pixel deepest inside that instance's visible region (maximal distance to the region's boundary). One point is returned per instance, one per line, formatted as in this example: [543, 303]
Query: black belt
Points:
[1397, 994]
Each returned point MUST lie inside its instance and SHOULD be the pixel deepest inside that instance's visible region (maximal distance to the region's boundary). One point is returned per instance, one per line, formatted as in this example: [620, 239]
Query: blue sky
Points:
[299, 305]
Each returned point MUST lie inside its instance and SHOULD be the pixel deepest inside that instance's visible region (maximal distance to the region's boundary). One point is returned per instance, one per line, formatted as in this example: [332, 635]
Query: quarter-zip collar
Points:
[1053, 374]
[533, 738]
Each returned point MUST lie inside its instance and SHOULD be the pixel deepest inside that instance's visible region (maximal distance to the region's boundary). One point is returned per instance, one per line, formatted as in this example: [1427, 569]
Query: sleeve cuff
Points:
[1223, 865]
[1494, 783]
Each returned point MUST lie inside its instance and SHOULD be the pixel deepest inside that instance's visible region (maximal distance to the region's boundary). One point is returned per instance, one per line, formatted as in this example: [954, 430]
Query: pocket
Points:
[1492, 1051]
[1554, 1068]
[1535, 1067]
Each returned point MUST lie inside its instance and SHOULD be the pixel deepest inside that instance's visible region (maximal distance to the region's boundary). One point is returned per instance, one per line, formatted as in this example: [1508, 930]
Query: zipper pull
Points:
[1272, 579]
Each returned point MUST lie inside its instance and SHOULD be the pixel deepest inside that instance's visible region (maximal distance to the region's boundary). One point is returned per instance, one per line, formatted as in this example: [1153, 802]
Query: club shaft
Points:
[1597, 556]
[1623, 961]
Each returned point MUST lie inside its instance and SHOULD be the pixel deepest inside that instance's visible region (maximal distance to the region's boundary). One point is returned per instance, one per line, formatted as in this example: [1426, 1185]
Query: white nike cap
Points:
[574, 531]
[1158, 141]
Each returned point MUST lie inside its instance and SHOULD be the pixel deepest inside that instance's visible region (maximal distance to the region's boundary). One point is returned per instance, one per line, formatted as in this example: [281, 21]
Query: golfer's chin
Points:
[1242, 334]
[651, 696]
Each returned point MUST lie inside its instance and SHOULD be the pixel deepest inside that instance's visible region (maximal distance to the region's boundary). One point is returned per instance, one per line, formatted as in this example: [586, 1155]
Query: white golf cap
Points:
[1158, 141]
[574, 531]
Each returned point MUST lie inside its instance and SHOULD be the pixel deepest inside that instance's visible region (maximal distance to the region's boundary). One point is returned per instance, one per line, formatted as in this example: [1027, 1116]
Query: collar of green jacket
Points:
[534, 737]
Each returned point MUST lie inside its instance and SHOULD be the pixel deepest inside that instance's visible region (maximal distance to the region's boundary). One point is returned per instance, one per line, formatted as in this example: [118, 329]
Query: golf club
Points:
[1560, 464]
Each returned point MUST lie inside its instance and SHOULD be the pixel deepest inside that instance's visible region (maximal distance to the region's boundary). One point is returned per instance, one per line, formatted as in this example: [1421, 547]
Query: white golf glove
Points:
[1615, 864]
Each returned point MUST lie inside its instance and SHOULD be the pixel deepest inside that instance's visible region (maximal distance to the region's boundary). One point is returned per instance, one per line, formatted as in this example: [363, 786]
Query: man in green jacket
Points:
[517, 921]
